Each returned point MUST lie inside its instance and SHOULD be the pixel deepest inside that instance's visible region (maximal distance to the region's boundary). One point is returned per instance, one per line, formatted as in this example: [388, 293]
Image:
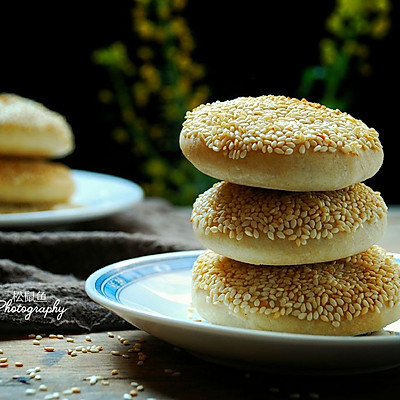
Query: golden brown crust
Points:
[34, 181]
[313, 171]
[280, 143]
[27, 128]
[265, 226]
[352, 296]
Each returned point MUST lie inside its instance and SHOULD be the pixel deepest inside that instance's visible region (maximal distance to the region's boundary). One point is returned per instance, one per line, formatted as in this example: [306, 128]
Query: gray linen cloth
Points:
[47, 268]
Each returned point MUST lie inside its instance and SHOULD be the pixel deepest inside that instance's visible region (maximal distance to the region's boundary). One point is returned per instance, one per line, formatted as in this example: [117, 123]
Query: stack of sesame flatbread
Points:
[31, 137]
[290, 228]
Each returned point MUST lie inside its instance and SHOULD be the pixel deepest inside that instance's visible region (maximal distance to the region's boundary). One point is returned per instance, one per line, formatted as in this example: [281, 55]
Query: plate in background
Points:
[96, 195]
[154, 294]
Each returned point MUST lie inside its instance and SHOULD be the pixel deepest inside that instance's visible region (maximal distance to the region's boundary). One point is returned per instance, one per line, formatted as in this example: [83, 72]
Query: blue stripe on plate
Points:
[113, 281]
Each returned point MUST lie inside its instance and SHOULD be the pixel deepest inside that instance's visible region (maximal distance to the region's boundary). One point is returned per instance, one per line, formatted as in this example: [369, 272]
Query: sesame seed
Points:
[276, 124]
[3, 359]
[48, 349]
[94, 349]
[347, 288]
[30, 391]
[257, 212]
[19, 364]
[114, 372]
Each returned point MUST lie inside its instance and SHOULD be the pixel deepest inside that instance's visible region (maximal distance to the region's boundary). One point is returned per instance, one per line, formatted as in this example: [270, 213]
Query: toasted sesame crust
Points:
[34, 181]
[351, 296]
[265, 226]
[28, 128]
[280, 143]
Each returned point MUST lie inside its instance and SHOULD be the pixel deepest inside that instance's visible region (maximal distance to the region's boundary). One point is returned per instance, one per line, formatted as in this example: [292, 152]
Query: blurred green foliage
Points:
[352, 26]
[154, 82]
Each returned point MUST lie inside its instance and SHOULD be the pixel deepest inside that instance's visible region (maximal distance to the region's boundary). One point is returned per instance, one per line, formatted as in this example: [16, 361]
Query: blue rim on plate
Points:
[153, 294]
[111, 283]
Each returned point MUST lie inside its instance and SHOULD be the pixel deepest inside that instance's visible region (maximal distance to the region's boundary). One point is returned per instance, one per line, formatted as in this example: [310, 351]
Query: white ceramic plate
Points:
[153, 294]
[96, 195]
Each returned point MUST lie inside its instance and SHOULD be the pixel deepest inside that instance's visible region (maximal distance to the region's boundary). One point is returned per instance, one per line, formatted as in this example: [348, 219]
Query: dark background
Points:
[246, 50]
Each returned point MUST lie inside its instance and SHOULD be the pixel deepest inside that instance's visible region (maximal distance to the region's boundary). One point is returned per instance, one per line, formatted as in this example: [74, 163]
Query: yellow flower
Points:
[155, 83]
[145, 53]
[106, 96]
[199, 96]
[151, 76]
[380, 27]
[328, 51]
[179, 4]
[140, 93]
[120, 135]
[145, 29]
[128, 115]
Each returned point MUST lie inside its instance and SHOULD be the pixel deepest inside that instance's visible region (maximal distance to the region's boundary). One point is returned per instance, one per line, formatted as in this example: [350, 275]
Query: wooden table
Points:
[166, 373]
[149, 368]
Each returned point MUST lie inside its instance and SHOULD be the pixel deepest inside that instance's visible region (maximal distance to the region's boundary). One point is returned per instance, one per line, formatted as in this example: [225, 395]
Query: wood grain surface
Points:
[166, 373]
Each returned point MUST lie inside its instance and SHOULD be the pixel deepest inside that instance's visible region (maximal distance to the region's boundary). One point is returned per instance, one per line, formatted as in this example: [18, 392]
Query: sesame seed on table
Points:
[133, 364]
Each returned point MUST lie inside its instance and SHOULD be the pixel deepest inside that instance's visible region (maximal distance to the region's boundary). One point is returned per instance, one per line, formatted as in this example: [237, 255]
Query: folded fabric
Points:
[42, 272]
